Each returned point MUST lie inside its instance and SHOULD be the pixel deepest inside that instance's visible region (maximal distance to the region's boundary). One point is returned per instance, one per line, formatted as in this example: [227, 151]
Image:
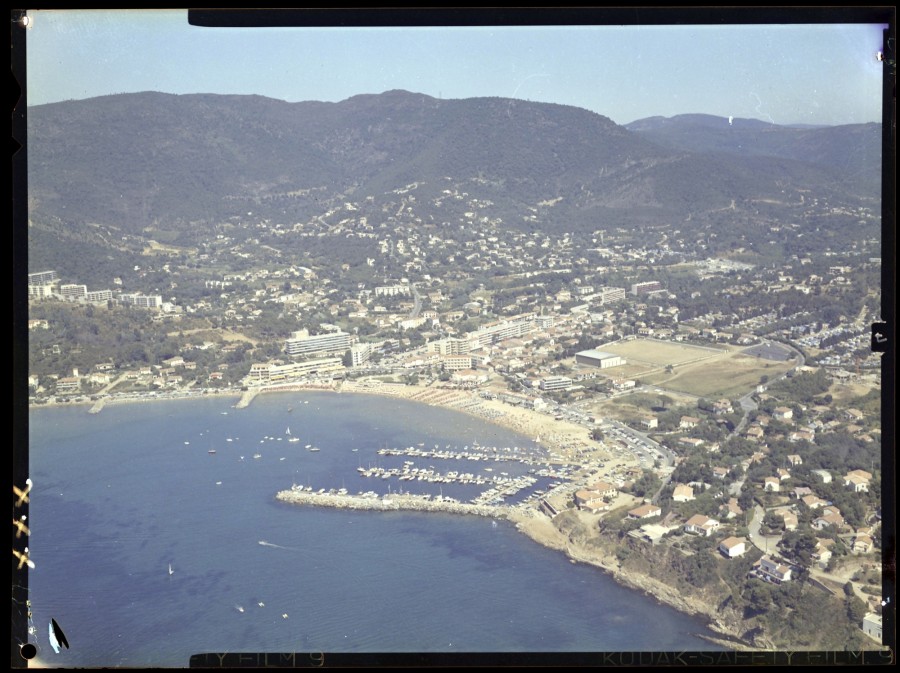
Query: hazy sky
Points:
[786, 74]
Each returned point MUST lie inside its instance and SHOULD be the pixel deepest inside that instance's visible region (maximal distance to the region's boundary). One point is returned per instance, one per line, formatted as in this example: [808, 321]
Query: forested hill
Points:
[152, 159]
[851, 152]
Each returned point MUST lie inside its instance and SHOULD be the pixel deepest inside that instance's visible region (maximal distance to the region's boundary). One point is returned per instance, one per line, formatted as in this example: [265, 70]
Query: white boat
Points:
[171, 572]
[239, 608]
[257, 455]
[54, 643]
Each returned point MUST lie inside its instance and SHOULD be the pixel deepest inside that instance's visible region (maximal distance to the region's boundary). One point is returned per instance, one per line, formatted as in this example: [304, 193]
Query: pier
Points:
[393, 502]
[246, 398]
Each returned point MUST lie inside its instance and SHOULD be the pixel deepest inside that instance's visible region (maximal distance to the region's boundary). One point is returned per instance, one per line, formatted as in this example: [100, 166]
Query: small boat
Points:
[171, 572]
[261, 604]
[218, 483]
[211, 451]
[238, 608]
[257, 455]
[282, 458]
[314, 448]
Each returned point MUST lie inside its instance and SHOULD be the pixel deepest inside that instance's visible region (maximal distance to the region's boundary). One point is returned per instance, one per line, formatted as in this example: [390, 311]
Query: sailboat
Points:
[171, 572]
[291, 439]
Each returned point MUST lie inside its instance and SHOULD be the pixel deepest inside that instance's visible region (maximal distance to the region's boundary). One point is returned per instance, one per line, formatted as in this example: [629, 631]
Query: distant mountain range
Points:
[136, 160]
[851, 152]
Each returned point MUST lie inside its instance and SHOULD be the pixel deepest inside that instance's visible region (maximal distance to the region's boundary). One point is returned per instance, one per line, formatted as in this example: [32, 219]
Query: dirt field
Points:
[652, 353]
[704, 372]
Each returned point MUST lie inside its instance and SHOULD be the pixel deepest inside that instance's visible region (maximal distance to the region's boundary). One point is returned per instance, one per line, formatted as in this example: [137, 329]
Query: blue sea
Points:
[120, 495]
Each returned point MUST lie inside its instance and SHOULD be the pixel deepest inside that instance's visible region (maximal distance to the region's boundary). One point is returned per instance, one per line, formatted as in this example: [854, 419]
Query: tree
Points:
[347, 360]
[799, 546]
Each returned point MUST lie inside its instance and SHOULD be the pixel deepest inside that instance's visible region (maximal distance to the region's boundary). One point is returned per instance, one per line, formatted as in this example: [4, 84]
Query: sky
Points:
[822, 74]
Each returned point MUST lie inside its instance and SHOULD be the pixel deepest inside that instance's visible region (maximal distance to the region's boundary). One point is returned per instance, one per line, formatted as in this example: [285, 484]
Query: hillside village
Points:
[757, 443]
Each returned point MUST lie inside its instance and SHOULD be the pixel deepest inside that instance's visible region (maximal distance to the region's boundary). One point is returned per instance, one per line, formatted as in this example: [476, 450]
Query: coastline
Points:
[562, 438]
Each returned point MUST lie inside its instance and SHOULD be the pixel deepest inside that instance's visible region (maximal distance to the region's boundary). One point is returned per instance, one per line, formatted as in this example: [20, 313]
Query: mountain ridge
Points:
[135, 160]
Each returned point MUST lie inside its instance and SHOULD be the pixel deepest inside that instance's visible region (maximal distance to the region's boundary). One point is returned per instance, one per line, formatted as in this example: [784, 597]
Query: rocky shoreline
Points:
[541, 529]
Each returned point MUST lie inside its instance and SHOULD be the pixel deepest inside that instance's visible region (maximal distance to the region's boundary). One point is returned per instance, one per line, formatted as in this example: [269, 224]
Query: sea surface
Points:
[120, 495]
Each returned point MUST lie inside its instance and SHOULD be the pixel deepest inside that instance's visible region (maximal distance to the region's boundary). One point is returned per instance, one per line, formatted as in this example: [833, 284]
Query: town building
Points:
[871, 626]
[601, 359]
[301, 343]
[139, 300]
[556, 383]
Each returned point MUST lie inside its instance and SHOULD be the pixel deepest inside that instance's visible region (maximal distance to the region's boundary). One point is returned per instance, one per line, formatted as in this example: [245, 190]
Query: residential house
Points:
[733, 547]
[871, 626]
[813, 501]
[862, 543]
[604, 489]
[720, 472]
[824, 475]
[782, 474]
[829, 517]
[794, 459]
[822, 553]
[754, 432]
[772, 484]
[772, 571]
[585, 498]
[783, 413]
[701, 524]
[790, 520]
[682, 493]
[858, 480]
[731, 509]
[802, 435]
[645, 511]
[688, 422]
[722, 407]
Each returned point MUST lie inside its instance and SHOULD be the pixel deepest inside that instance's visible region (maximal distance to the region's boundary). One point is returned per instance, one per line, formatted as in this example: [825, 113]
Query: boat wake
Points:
[277, 546]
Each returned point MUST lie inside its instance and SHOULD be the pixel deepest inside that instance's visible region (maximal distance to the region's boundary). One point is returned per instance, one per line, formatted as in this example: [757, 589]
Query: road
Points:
[417, 301]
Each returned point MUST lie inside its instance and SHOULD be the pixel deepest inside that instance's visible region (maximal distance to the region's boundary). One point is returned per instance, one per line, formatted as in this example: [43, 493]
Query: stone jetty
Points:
[391, 502]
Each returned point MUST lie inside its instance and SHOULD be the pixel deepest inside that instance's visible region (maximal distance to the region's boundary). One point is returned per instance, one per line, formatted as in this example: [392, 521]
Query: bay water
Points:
[122, 495]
